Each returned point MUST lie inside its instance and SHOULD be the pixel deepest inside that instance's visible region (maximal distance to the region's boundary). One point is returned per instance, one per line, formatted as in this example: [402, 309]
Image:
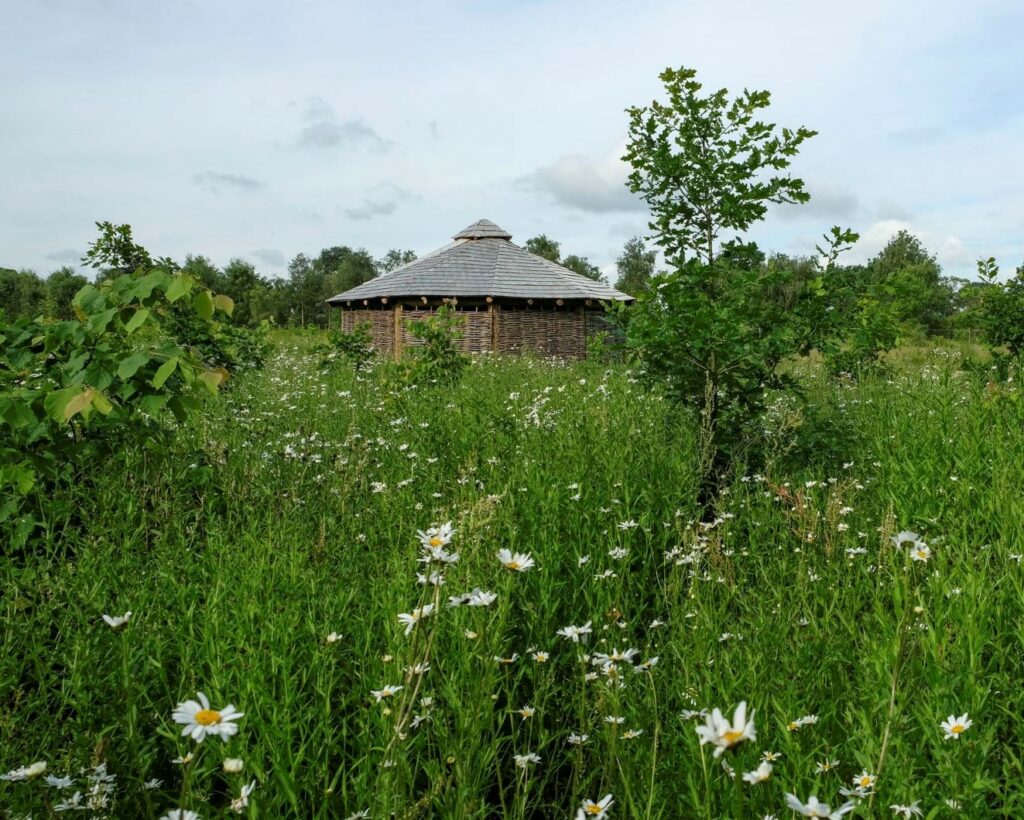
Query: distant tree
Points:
[635, 266]
[239, 280]
[22, 293]
[1002, 310]
[206, 272]
[273, 300]
[335, 270]
[544, 246]
[61, 287]
[582, 266]
[116, 252]
[306, 284]
[913, 279]
[395, 259]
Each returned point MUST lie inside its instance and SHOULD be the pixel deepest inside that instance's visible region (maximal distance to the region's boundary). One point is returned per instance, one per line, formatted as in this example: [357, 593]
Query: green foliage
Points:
[705, 165]
[438, 360]
[1002, 313]
[194, 313]
[713, 328]
[61, 287]
[582, 266]
[635, 266]
[395, 259]
[795, 600]
[71, 390]
[545, 247]
[22, 293]
[355, 347]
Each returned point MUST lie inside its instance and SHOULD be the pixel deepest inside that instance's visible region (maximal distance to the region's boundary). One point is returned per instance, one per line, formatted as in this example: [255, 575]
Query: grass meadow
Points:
[861, 588]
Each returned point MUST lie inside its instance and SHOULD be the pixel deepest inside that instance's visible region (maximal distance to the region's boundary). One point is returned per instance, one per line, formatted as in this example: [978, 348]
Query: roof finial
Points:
[483, 229]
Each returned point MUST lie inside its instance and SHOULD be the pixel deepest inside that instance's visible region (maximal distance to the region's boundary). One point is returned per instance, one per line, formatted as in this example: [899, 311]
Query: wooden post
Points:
[583, 331]
[396, 314]
[492, 314]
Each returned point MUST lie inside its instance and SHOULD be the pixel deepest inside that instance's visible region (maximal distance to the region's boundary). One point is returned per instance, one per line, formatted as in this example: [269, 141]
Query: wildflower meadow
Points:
[334, 594]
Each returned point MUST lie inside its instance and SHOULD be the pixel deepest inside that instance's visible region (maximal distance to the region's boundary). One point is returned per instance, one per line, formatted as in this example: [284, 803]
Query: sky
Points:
[261, 129]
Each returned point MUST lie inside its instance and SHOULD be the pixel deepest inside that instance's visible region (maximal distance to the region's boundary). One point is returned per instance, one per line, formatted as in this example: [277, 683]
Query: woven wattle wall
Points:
[382, 327]
[559, 333]
[476, 328]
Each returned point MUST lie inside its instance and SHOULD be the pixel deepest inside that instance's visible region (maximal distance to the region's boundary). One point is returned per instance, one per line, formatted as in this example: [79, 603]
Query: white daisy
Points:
[517, 562]
[200, 720]
[723, 734]
[240, 803]
[387, 692]
[575, 633]
[760, 774]
[410, 619]
[25, 772]
[117, 621]
[955, 726]
[479, 597]
[436, 536]
[910, 810]
[815, 808]
[595, 808]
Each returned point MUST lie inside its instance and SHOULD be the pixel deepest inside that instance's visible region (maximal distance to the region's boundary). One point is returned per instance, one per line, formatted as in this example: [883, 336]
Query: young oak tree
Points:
[713, 328]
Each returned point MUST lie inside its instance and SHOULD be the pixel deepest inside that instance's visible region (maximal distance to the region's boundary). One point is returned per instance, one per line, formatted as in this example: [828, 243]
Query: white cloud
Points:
[586, 184]
[325, 130]
[381, 200]
[949, 250]
[215, 182]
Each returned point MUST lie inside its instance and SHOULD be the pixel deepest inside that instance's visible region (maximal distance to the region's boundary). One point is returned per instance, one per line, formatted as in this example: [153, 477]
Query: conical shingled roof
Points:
[482, 262]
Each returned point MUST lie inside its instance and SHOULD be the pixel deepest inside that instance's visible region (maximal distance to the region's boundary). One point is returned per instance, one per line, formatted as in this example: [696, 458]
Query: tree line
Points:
[904, 281]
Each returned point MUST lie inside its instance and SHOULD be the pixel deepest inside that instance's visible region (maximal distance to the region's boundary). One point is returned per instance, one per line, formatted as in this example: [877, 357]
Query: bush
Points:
[439, 360]
[73, 390]
[355, 347]
[1002, 316]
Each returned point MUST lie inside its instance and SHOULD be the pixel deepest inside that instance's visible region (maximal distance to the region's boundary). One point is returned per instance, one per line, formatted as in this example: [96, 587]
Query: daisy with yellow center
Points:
[718, 731]
[436, 537]
[864, 782]
[515, 561]
[595, 808]
[956, 726]
[200, 720]
[388, 691]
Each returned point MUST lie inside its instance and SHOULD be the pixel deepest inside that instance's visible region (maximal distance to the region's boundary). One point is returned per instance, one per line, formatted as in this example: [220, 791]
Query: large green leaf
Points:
[101, 403]
[136, 321]
[224, 303]
[213, 379]
[17, 412]
[203, 303]
[165, 371]
[63, 405]
[180, 286]
[101, 320]
[130, 366]
[20, 475]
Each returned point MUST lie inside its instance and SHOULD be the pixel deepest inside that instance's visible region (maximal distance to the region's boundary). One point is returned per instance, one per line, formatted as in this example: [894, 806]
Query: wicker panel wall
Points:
[382, 327]
[558, 333]
[476, 328]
